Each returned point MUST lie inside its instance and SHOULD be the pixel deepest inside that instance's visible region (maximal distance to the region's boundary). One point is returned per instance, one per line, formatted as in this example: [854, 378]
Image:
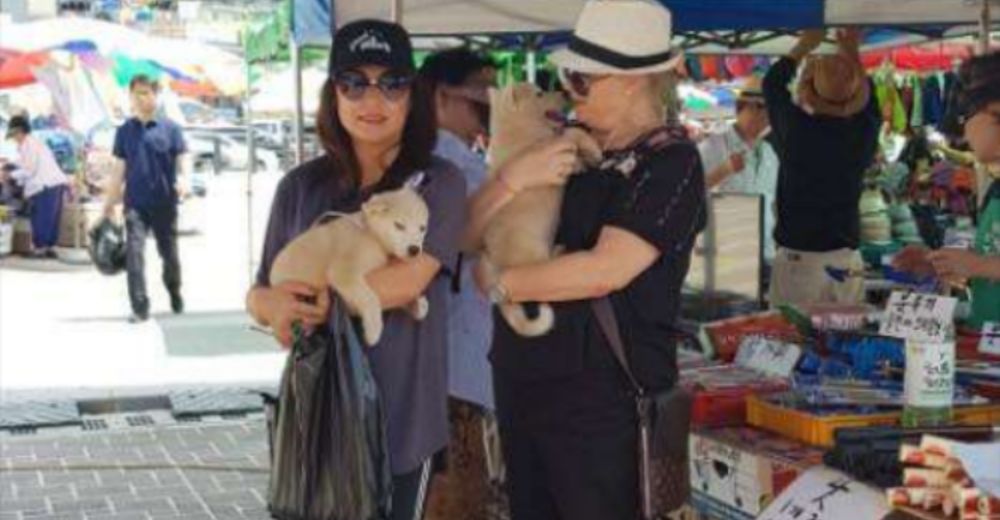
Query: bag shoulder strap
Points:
[606, 319]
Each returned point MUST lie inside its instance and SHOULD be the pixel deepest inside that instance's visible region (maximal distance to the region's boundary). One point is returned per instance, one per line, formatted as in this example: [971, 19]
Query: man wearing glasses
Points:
[739, 160]
[460, 80]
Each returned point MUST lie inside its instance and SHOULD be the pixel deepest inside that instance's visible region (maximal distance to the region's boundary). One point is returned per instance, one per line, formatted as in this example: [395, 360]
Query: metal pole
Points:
[532, 64]
[984, 28]
[251, 163]
[396, 11]
[299, 109]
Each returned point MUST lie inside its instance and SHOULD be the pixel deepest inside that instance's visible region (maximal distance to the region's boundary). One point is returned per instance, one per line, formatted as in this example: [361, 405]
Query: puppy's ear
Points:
[375, 206]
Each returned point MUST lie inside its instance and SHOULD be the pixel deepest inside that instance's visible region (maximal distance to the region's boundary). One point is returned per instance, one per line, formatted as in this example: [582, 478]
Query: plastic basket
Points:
[819, 430]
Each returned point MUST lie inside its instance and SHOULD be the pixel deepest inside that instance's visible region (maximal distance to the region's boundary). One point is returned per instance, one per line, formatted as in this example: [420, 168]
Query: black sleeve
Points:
[665, 206]
[776, 82]
[871, 124]
[279, 225]
[779, 97]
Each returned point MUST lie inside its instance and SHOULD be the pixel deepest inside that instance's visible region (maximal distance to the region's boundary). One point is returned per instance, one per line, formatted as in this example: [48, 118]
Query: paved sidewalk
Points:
[166, 484]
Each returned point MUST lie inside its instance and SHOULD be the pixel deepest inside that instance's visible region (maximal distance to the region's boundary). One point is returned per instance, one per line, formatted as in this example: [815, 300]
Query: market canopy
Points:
[312, 19]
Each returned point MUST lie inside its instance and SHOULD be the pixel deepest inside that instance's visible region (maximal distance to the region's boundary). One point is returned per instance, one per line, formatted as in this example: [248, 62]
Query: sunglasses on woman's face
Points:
[353, 85]
[578, 83]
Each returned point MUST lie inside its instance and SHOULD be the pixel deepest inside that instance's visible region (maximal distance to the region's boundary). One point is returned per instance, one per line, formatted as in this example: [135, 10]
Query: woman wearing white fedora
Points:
[568, 419]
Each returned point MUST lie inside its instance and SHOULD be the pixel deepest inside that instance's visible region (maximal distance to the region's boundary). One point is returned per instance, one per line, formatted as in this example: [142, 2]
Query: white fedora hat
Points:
[620, 37]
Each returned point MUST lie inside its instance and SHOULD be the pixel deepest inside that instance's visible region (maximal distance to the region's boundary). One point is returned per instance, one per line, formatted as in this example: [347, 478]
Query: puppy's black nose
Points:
[413, 250]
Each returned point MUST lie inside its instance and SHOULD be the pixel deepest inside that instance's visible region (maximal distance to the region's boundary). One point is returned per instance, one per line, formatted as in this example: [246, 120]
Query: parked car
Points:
[209, 149]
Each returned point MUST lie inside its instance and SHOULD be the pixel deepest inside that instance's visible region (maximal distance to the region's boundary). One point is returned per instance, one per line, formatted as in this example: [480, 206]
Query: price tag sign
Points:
[768, 356]
[825, 494]
[990, 342]
[921, 317]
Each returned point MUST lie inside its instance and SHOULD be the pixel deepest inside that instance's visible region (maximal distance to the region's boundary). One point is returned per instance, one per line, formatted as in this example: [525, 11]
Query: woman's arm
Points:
[400, 283]
[492, 196]
[547, 164]
[618, 258]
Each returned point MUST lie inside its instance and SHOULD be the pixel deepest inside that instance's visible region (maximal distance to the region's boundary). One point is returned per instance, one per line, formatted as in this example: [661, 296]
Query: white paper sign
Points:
[982, 463]
[930, 373]
[826, 494]
[990, 342]
[923, 317]
[768, 356]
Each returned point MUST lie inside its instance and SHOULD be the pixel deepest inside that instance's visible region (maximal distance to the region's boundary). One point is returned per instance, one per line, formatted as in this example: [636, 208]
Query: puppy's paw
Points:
[372, 323]
[419, 308]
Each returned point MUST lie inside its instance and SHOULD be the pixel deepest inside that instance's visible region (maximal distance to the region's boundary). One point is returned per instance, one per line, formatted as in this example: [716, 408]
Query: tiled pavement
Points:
[210, 470]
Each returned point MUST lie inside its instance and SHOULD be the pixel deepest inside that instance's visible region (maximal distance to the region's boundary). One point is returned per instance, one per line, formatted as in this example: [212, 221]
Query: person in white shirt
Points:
[740, 160]
[44, 185]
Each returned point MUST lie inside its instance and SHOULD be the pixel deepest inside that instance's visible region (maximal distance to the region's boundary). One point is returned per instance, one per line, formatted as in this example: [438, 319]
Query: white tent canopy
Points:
[464, 17]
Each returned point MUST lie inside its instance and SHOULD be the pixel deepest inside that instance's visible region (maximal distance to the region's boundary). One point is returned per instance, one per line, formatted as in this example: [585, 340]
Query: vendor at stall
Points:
[739, 160]
[979, 105]
[825, 137]
[44, 185]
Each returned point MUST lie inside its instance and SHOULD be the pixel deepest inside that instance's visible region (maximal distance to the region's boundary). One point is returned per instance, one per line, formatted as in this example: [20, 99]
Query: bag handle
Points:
[608, 323]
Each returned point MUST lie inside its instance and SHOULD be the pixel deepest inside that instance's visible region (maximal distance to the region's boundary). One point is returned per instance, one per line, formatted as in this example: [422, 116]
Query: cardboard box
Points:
[737, 472]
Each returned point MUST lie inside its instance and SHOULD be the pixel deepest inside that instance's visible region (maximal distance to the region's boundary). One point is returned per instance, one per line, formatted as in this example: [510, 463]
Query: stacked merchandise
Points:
[935, 480]
[821, 386]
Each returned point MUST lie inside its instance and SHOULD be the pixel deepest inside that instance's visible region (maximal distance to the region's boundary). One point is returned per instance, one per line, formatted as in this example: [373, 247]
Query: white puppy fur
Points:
[523, 231]
[341, 251]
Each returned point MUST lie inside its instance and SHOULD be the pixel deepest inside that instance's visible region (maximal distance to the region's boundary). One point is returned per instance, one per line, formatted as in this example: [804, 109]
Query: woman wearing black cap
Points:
[377, 128]
[568, 421]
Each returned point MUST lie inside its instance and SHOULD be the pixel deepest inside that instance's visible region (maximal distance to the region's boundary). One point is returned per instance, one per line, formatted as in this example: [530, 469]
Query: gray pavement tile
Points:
[113, 491]
[73, 477]
[165, 492]
[54, 491]
[93, 504]
[193, 516]
[153, 505]
[24, 504]
[225, 511]
[119, 516]
[189, 506]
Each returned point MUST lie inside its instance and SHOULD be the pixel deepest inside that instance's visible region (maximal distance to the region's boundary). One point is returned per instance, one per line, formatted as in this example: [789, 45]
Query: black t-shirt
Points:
[663, 202]
[823, 160]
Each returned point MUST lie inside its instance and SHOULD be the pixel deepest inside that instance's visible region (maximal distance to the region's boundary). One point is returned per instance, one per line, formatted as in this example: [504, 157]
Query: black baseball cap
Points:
[372, 42]
[18, 123]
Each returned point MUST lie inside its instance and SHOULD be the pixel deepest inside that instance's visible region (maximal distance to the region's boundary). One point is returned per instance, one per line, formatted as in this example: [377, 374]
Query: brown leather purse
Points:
[664, 422]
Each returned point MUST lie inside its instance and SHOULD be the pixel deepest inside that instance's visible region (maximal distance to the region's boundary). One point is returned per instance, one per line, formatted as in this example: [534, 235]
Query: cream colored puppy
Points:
[341, 251]
[523, 231]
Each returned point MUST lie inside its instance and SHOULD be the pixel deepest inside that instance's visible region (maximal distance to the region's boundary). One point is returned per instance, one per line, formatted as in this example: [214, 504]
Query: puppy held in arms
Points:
[340, 251]
[523, 232]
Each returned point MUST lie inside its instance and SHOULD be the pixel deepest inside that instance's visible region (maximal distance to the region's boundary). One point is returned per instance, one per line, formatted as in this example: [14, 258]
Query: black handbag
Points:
[664, 422]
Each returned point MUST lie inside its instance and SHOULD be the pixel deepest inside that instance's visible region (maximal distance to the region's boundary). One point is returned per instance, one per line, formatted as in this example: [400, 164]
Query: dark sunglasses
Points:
[353, 84]
[578, 83]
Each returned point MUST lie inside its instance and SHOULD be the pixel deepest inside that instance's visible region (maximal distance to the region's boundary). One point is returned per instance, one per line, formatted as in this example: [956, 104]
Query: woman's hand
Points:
[913, 259]
[809, 41]
[284, 305]
[956, 264]
[548, 163]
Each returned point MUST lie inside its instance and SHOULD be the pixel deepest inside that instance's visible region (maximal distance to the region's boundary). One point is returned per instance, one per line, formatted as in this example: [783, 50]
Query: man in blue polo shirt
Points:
[149, 149]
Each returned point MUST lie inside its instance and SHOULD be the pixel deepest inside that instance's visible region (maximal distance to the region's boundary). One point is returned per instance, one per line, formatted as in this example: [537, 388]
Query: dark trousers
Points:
[409, 493]
[162, 222]
[46, 212]
[570, 446]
